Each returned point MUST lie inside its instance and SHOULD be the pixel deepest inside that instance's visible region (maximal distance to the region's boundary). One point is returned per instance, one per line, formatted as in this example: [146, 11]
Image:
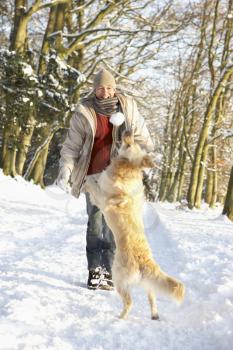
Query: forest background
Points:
[174, 57]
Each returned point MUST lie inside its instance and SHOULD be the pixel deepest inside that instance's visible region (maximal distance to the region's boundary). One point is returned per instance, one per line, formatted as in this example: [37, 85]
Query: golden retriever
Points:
[119, 195]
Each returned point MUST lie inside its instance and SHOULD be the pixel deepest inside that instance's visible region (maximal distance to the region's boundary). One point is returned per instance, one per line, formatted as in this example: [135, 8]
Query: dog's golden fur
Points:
[119, 194]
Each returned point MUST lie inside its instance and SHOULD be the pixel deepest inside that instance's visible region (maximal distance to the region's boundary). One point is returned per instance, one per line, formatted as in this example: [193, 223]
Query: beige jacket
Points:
[76, 150]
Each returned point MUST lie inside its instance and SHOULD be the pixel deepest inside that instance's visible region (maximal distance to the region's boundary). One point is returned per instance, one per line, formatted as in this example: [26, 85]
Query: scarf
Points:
[106, 106]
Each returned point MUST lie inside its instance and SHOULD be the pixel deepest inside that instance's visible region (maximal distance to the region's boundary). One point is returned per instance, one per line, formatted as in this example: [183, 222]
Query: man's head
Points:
[104, 84]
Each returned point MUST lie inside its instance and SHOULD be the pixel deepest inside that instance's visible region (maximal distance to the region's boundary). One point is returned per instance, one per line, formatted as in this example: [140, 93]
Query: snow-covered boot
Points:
[94, 278]
[106, 281]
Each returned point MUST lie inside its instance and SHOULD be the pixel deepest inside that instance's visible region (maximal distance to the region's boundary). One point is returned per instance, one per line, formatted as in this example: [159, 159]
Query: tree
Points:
[200, 108]
[194, 194]
[221, 105]
[228, 206]
[77, 35]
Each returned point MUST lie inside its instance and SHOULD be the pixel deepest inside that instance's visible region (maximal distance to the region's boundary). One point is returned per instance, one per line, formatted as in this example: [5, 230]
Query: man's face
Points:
[105, 91]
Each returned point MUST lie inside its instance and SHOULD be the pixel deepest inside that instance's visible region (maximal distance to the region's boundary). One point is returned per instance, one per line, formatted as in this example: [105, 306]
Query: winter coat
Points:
[76, 150]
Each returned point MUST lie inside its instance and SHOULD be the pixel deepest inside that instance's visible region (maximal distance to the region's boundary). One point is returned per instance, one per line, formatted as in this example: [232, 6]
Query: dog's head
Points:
[132, 151]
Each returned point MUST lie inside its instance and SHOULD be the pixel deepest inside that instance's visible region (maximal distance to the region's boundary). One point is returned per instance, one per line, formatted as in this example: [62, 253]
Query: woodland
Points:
[176, 59]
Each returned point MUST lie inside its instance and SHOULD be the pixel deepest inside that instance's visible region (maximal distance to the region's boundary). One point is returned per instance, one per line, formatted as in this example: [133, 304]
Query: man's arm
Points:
[71, 148]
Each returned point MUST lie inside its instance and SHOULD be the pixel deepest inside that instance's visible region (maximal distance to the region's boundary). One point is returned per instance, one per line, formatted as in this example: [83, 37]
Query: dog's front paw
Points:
[147, 162]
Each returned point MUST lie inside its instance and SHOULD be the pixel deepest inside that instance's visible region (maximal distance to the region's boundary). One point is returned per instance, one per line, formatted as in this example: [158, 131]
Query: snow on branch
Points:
[223, 134]
[37, 6]
[117, 73]
[33, 9]
[109, 33]
[82, 7]
[80, 35]
[108, 8]
[84, 43]
[228, 133]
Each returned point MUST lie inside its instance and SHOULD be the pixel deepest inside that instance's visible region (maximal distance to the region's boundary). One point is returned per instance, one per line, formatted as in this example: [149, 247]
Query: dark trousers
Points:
[99, 238]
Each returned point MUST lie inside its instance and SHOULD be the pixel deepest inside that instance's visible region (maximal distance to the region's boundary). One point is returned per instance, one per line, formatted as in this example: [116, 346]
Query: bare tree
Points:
[213, 114]
[82, 36]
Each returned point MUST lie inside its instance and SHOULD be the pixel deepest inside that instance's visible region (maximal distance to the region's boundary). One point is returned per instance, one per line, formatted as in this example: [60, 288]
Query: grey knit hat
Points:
[103, 78]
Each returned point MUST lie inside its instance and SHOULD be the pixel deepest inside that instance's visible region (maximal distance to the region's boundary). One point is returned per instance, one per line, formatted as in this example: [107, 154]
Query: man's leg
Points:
[108, 247]
[94, 235]
[108, 250]
[93, 243]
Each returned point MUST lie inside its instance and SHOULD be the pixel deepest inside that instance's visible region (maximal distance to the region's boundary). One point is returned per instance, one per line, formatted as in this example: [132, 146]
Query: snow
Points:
[39, 93]
[117, 118]
[27, 69]
[44, 302]
[25, 99]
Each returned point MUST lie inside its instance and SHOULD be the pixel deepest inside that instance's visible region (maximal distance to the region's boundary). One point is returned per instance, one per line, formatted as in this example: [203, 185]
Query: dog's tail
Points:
[162, 282]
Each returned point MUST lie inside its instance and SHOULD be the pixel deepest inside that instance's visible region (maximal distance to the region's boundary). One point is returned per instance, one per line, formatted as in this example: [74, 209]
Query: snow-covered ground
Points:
[44, 302]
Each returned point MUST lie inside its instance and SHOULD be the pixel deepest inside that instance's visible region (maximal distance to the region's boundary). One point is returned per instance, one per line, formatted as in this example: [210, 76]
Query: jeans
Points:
[100, 242]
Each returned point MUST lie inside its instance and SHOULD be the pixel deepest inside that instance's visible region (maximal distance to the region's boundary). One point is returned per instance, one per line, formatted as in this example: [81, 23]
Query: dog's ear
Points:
[147, 162]
[128, 138]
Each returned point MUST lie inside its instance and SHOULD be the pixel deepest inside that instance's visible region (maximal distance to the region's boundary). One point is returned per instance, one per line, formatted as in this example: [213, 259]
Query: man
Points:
[92, 140]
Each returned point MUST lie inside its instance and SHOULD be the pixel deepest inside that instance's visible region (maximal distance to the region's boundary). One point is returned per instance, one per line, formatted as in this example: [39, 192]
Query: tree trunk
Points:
[10, 141]
[19, 41]
[201, 176]
[192, 193]
[182, 109]
[55, 24]
[36, 168]
[24, 143]
[181, 178]
[46, 43]
[12, 128]
[162, 187]
[173, 134]
[37, 173]
[27, 131]
[209, 187]
[167, 184]
[228, 206]
[215, 178]
[172, 195]
[215, 189]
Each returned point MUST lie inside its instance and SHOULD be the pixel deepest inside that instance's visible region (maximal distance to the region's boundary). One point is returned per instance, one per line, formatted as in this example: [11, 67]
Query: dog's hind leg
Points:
[127, 302]
[163, 282]
[153, 305]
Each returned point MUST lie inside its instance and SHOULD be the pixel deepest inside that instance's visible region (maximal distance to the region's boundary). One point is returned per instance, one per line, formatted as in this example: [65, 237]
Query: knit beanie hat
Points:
[103, 78]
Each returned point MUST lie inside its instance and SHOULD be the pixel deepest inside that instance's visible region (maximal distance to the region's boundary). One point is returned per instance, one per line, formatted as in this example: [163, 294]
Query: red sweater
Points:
[100, 155]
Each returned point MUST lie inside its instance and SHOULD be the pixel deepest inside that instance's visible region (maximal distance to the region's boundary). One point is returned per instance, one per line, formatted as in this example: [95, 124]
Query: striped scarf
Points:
[106, 106]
